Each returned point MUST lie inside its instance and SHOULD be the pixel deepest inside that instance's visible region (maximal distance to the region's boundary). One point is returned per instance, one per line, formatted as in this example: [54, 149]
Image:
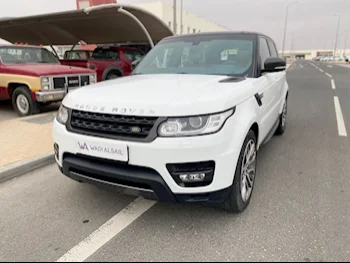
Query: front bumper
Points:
[146, 170]
[131, 180]
[50, 96]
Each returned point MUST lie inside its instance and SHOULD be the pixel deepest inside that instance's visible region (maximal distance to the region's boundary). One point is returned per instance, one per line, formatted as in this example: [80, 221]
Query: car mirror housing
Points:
[275, 64]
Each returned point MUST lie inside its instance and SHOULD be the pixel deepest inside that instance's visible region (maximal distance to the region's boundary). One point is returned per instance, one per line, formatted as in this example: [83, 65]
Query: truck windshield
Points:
[230, 54]
[26, 55]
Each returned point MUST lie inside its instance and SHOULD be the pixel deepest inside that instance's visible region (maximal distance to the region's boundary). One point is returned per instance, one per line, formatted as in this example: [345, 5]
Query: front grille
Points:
[113, 126]
[58, 83]
[73, 82]
[84, 81]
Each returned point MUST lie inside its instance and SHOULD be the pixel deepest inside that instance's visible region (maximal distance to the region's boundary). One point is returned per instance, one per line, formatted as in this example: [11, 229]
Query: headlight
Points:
[45, 87]
[196, 125]
[45, 80]
[62, 115]
[45, 83]
[92, 79]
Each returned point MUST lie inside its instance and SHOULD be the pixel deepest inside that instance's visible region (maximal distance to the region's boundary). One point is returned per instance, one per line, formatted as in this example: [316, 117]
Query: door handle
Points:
[259, 97]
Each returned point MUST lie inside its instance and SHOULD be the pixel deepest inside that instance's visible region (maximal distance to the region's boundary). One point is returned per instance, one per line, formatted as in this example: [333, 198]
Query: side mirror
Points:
[275, 64]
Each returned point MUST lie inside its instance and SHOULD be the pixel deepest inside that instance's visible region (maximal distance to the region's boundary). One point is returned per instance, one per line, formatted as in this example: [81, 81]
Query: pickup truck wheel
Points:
[283, 120]
[112, 76]
[23, 103]
[242, 188]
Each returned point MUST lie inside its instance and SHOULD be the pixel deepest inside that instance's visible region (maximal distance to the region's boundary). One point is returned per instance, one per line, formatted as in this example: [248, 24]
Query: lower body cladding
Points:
[193, 169]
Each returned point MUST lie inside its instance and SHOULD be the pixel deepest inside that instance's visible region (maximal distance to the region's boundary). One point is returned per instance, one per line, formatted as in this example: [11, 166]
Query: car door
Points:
[268, 93]
[279, 75]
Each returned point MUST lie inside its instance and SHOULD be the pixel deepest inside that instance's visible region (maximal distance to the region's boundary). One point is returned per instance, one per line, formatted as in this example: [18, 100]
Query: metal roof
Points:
[95, 25]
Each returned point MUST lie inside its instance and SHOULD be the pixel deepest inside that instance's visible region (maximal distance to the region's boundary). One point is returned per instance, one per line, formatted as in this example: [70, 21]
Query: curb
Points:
[11, 171]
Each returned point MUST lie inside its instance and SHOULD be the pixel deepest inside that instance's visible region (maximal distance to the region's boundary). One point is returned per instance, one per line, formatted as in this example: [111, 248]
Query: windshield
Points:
[26, 55]
[210, 55]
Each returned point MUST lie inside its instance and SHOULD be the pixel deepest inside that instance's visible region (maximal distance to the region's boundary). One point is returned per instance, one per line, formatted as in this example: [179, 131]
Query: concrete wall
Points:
[191, 22]
[310, 54]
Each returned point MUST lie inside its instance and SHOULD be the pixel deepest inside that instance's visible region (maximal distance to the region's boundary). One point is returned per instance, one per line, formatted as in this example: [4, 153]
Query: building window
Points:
[170, 24]
[194, 30]
[189, 30]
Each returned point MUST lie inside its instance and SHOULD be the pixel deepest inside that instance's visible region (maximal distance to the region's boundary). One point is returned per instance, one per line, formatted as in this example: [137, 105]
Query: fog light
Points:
[192, 178]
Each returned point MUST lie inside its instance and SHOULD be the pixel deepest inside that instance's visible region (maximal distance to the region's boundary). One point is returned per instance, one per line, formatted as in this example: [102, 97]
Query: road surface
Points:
[300, 210]
[8, 113]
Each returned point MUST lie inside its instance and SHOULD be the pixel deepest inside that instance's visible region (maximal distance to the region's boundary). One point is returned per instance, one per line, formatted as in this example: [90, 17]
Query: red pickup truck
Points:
[33, 76]
[108, 62]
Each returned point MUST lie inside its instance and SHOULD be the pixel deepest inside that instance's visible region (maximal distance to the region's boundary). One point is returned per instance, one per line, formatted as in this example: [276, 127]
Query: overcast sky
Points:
[310, 21]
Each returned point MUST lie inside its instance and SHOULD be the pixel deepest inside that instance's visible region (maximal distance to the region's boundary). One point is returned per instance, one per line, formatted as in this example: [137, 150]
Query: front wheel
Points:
[283, 120]
[241, 190]
[23, 103]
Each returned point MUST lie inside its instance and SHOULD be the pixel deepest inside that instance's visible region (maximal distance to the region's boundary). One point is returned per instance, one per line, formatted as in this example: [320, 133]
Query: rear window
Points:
[101, 53]
[76, 55]
[133, 55]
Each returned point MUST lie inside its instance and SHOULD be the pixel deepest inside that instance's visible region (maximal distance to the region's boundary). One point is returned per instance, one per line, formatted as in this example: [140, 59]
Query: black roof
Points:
[220, 33]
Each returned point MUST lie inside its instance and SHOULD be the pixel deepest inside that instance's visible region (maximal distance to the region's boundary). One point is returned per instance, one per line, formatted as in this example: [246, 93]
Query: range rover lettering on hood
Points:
[116, 110]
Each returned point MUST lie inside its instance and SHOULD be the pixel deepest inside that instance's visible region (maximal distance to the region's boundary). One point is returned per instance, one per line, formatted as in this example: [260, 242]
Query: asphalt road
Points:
[300, 210]
[8, 113]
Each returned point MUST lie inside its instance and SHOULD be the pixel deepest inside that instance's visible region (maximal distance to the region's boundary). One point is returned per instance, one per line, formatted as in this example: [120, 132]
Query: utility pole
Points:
[336, 37]
[175, 29]
[346, 42]
[285, 26]
[181, 17]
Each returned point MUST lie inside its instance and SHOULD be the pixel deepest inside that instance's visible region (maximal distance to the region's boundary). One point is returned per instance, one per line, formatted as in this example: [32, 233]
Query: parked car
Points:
[76, 58]
[185, 126]
[109, 62]
[33, 76]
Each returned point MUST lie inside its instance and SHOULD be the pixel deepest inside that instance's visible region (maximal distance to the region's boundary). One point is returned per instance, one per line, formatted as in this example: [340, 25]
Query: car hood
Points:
[162, 95]
[47, 69]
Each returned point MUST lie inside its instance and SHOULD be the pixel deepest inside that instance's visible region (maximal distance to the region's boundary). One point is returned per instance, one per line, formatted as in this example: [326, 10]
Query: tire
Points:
[283, 119]
[23, 103]
[235, 202]
[112, 76]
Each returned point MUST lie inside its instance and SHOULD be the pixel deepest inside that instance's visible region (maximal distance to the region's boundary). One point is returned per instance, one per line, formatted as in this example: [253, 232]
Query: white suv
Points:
[185, 126]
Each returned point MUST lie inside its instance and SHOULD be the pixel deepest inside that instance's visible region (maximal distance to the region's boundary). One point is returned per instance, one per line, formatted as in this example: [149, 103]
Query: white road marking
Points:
[106, 232]
[301, 66]
[329, 66]
[329, 75]
[321, 70]
[333, 84]
[340, 120]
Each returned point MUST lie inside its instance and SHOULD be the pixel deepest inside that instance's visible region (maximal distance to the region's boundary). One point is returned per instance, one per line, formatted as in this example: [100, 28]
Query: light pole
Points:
[181, 17]
[346, 41]
[175, 17]
[285, 26]
[336, 37]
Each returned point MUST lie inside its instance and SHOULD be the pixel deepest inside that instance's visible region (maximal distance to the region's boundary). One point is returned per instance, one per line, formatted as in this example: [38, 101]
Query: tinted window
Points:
[273, 50]
[101, 53]
[133, 55]
[76, 55]
[264, 51]
[207, 54]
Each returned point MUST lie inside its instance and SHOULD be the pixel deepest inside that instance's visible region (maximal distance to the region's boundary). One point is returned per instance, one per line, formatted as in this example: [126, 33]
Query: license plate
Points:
[115, 151]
